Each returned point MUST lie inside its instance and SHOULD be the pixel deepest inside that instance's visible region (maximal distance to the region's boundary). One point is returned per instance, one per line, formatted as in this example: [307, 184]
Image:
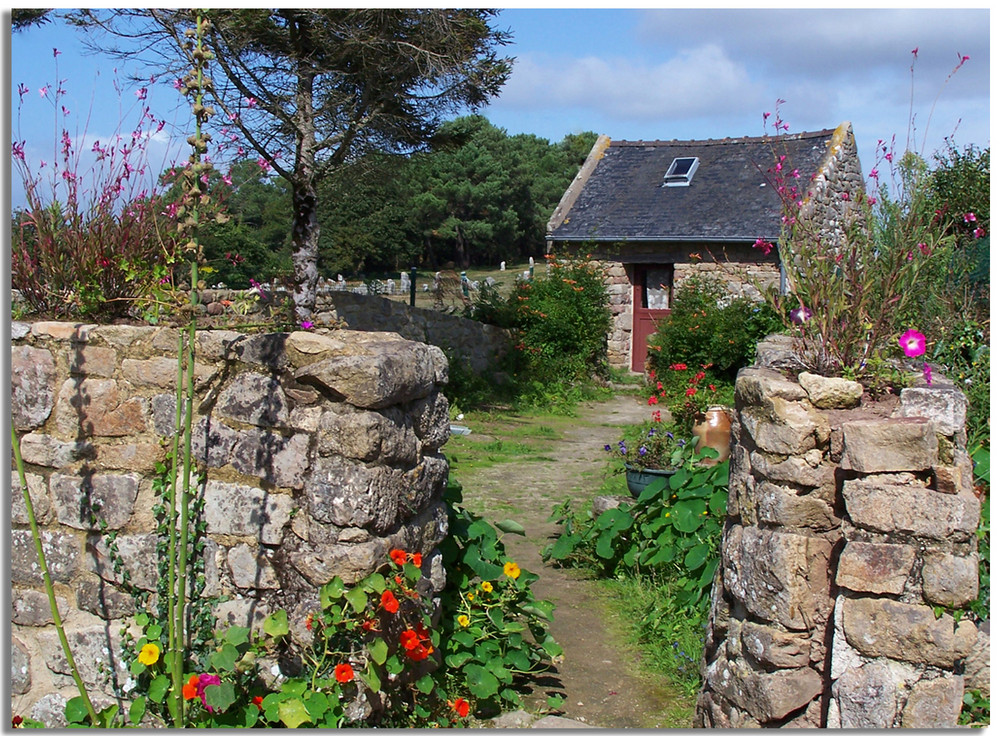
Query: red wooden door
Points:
[652, 293]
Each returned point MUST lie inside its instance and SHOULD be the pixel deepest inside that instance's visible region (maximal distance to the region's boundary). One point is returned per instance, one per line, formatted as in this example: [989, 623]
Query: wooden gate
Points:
[652, 294]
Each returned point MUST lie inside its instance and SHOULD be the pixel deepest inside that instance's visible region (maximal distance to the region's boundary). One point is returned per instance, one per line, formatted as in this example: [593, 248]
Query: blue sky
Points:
[634, 74]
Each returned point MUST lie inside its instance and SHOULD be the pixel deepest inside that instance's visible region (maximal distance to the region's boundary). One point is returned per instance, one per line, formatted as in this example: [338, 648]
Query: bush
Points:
[707, 325]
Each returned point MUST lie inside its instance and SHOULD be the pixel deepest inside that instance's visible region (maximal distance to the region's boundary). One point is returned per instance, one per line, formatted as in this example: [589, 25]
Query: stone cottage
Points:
[654, 213]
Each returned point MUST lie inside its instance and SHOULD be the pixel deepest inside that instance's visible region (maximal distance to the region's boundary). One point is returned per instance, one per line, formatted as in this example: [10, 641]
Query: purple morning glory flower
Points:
[642, 451]
[651, 432]
[670, 435]
[607, 448]
[622, 448]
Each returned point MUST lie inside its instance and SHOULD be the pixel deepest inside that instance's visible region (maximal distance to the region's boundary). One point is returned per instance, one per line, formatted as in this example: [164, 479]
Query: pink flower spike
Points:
[913, 343]
[962, 59]
[914, 52]
[141, 93]
[55, 53]
[924, 249]
[250, 101]
[43, 91]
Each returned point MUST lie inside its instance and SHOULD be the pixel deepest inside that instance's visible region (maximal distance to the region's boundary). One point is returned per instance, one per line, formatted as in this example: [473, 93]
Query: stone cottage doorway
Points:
[652, 295]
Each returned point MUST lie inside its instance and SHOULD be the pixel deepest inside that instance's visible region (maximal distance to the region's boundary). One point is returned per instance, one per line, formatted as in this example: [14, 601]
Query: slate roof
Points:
[728, 199]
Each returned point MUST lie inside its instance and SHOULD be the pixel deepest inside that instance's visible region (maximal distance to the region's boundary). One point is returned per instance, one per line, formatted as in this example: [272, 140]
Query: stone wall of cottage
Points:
[848, 523]
[321, 451]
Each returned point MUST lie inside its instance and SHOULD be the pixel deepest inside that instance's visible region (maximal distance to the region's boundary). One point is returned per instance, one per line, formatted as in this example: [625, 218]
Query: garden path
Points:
[596, 676]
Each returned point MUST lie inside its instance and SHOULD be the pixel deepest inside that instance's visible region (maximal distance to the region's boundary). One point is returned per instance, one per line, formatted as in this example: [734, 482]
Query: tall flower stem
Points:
[36, 536]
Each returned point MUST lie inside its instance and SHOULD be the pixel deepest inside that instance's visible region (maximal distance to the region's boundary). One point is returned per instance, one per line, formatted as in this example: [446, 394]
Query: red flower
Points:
[700, 375]
[679, 367]
[343, 673]
[419, 652]
[409, 639]
[398, 556]
[389, 602]
[461, 707]
[258, 701]
[190, 689]
[691, 391]
[368, 625]
[418, 560]
[657, 417]
[711, 386]
[653, 400]
[309, 622]
[16, 721]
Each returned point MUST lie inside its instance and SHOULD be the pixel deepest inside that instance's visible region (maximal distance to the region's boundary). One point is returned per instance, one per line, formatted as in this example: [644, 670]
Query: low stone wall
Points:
[321, 453]
[848, 524]
[477, 346]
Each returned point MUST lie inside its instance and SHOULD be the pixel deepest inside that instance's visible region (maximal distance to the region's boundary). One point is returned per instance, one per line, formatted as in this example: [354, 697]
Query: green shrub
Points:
[707, 325]
[671, 532]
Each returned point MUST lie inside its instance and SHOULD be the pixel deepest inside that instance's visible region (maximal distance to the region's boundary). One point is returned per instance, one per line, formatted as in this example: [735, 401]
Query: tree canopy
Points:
[311, 90]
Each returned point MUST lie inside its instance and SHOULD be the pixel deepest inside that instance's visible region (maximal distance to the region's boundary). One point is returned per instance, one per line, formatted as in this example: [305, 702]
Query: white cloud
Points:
[694, 82]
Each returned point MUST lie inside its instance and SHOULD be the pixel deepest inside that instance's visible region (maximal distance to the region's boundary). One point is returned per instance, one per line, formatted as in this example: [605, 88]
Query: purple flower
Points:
[306, 325]
[642, 451]
[801, 315]
[927, 374]
[622, 448]
[652, 431]
[670, 435]
[607, 448]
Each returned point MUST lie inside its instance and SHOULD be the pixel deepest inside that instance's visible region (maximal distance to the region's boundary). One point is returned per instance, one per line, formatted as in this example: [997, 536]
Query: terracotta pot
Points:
[712, 429]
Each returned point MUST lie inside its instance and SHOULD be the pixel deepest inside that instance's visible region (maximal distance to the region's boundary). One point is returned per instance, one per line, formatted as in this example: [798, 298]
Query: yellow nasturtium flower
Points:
[487, 586]
[149, 654]
[463, 620]
[511, 570]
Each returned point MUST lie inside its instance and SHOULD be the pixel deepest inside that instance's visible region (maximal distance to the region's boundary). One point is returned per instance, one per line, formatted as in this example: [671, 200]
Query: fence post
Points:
[413, 286]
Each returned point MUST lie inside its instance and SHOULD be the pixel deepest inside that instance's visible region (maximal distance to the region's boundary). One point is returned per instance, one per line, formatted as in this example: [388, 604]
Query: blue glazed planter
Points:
[638, 478]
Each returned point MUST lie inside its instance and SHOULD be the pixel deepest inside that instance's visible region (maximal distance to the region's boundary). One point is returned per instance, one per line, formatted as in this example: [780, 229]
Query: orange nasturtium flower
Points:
[257, 700]
[487, 586]
[190, 689]
[461, 707]
[343, 673]
[398, 556]
[409, 639]
[511, 570]
[389, 601]
[417, 558]
[149, 654]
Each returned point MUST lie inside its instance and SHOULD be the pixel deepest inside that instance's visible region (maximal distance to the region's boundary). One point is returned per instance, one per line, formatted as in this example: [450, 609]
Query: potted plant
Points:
[648, 451]
[697, 402]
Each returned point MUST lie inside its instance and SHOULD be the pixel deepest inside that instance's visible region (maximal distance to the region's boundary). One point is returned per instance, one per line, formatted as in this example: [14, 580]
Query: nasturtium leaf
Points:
[330, 592]
[519, 660]
[317, 704]
[603, 547]
[375, 581]
[358, 599]
[696, 557]
[551, 647]
[606, 519]
[224, 660]
[456, 660]
[142, 619]
[485, 570]
[510, 695]
[663, 556]
[495, 616]
[687, 516]
[622, 520]
[510, 527]
[393, 665]
[479, 528]
[370, 677]
[294, 687]
[678, 479]
[76, 710]
[153, 632]
[717, 504]
[293, 713]
[464, 638]
[482, 683]
[158, 688]
[137, 710]
[379, 650]
[107, 715]
[220, 696]
[425, 684]
[564, 546]
[655, 487]
[555, 702]
[276, 624]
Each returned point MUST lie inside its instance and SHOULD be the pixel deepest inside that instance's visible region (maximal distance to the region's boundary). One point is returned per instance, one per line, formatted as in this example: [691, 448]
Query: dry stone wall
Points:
[321, 453]
[848, 523]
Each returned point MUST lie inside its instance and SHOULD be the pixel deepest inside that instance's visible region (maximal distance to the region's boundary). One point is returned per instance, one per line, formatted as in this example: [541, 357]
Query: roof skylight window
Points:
[681, 172]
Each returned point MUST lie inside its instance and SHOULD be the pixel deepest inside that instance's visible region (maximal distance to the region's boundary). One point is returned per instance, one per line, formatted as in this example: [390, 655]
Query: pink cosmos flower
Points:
[913, 343]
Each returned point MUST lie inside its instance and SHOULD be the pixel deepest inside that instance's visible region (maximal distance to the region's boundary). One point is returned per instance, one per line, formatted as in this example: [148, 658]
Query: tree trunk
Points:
[305, 248]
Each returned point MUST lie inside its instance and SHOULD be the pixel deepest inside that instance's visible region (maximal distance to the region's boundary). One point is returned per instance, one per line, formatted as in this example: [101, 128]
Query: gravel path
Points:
[595, 675]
